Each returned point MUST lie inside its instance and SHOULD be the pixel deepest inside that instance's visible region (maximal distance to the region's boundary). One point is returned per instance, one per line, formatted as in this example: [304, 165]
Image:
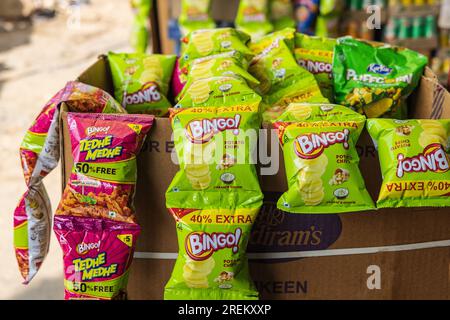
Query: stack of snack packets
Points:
[95, 222]
[282, 80]
[39, 153]
[215, 197]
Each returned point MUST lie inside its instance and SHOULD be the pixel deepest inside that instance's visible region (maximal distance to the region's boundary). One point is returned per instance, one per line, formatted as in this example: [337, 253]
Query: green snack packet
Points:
[252, 18]
[282, 80]
[321, 160]
[375, 79]
[195, 15]
[206, 42]
[414, 159]
[315, 54]
[287, 34]
[139, 33]
[141, 81]
[228, 64]
[218, 91]
[282, 14]
[215, 156]
[212, 262]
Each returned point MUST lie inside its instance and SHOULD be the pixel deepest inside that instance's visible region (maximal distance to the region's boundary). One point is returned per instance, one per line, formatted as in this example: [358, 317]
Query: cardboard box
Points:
[384, 254]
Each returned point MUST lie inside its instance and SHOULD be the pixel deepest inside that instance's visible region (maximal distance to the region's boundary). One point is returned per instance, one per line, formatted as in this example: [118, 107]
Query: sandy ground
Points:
[34, 64]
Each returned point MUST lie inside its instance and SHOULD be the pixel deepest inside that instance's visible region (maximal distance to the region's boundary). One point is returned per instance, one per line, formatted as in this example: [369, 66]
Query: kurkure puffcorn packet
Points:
[375, 79]
[214, 198]
[195, 15]
[141, 81]
[282, 80]
[95, 220]
[39, 155]
[315, 54]
[206, 42]
[215, 149]
[218, 91]
[321, 159]
[414, 159]
[252, 18]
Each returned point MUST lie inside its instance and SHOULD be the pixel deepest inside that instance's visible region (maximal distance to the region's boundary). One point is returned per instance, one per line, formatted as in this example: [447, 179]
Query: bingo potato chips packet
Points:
[218, 91]
[315, 54]
[206, 42]
[141, 81]
[375, 79]
[214, 198]
[414, 160]
[252, 18]
[95, 220]
[214, 149]
[39, 154]
[322, 164]
[195, 15]
[282, 14]
[282, 80]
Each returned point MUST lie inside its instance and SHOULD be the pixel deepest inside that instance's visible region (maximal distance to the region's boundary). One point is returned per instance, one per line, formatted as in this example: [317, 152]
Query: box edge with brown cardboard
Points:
[384, 254]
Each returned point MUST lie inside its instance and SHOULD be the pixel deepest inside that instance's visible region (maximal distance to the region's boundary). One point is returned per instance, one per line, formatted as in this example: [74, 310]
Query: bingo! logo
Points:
[202, 130]
[147, 94]
[201, 245]
[432, 159]
[310, 146]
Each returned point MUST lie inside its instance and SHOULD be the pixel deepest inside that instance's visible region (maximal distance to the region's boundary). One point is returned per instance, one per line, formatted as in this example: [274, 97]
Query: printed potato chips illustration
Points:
[414, 159]
[375, 79]
[322, 164]
[212, 262]
[39, 155]
[315, 54]
[206, 42]
[141, 81]
[252, 18]
[215, 148]
[282, 80]
[195, 15]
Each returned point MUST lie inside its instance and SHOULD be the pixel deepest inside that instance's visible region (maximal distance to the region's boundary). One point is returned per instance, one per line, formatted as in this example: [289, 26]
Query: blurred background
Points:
[45, 43]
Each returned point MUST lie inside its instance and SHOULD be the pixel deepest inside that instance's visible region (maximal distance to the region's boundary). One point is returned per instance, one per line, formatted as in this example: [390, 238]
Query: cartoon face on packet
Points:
[414, 159]
[141, 81]
[319, 148]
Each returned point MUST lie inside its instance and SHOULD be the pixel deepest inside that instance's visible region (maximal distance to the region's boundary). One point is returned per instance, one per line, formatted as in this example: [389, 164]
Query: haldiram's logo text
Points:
[83, 248]
[310, 146]
[432, 159]
[148, 93]
[379, 69]
[94, 130]
[202, 130]
[201, 245]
